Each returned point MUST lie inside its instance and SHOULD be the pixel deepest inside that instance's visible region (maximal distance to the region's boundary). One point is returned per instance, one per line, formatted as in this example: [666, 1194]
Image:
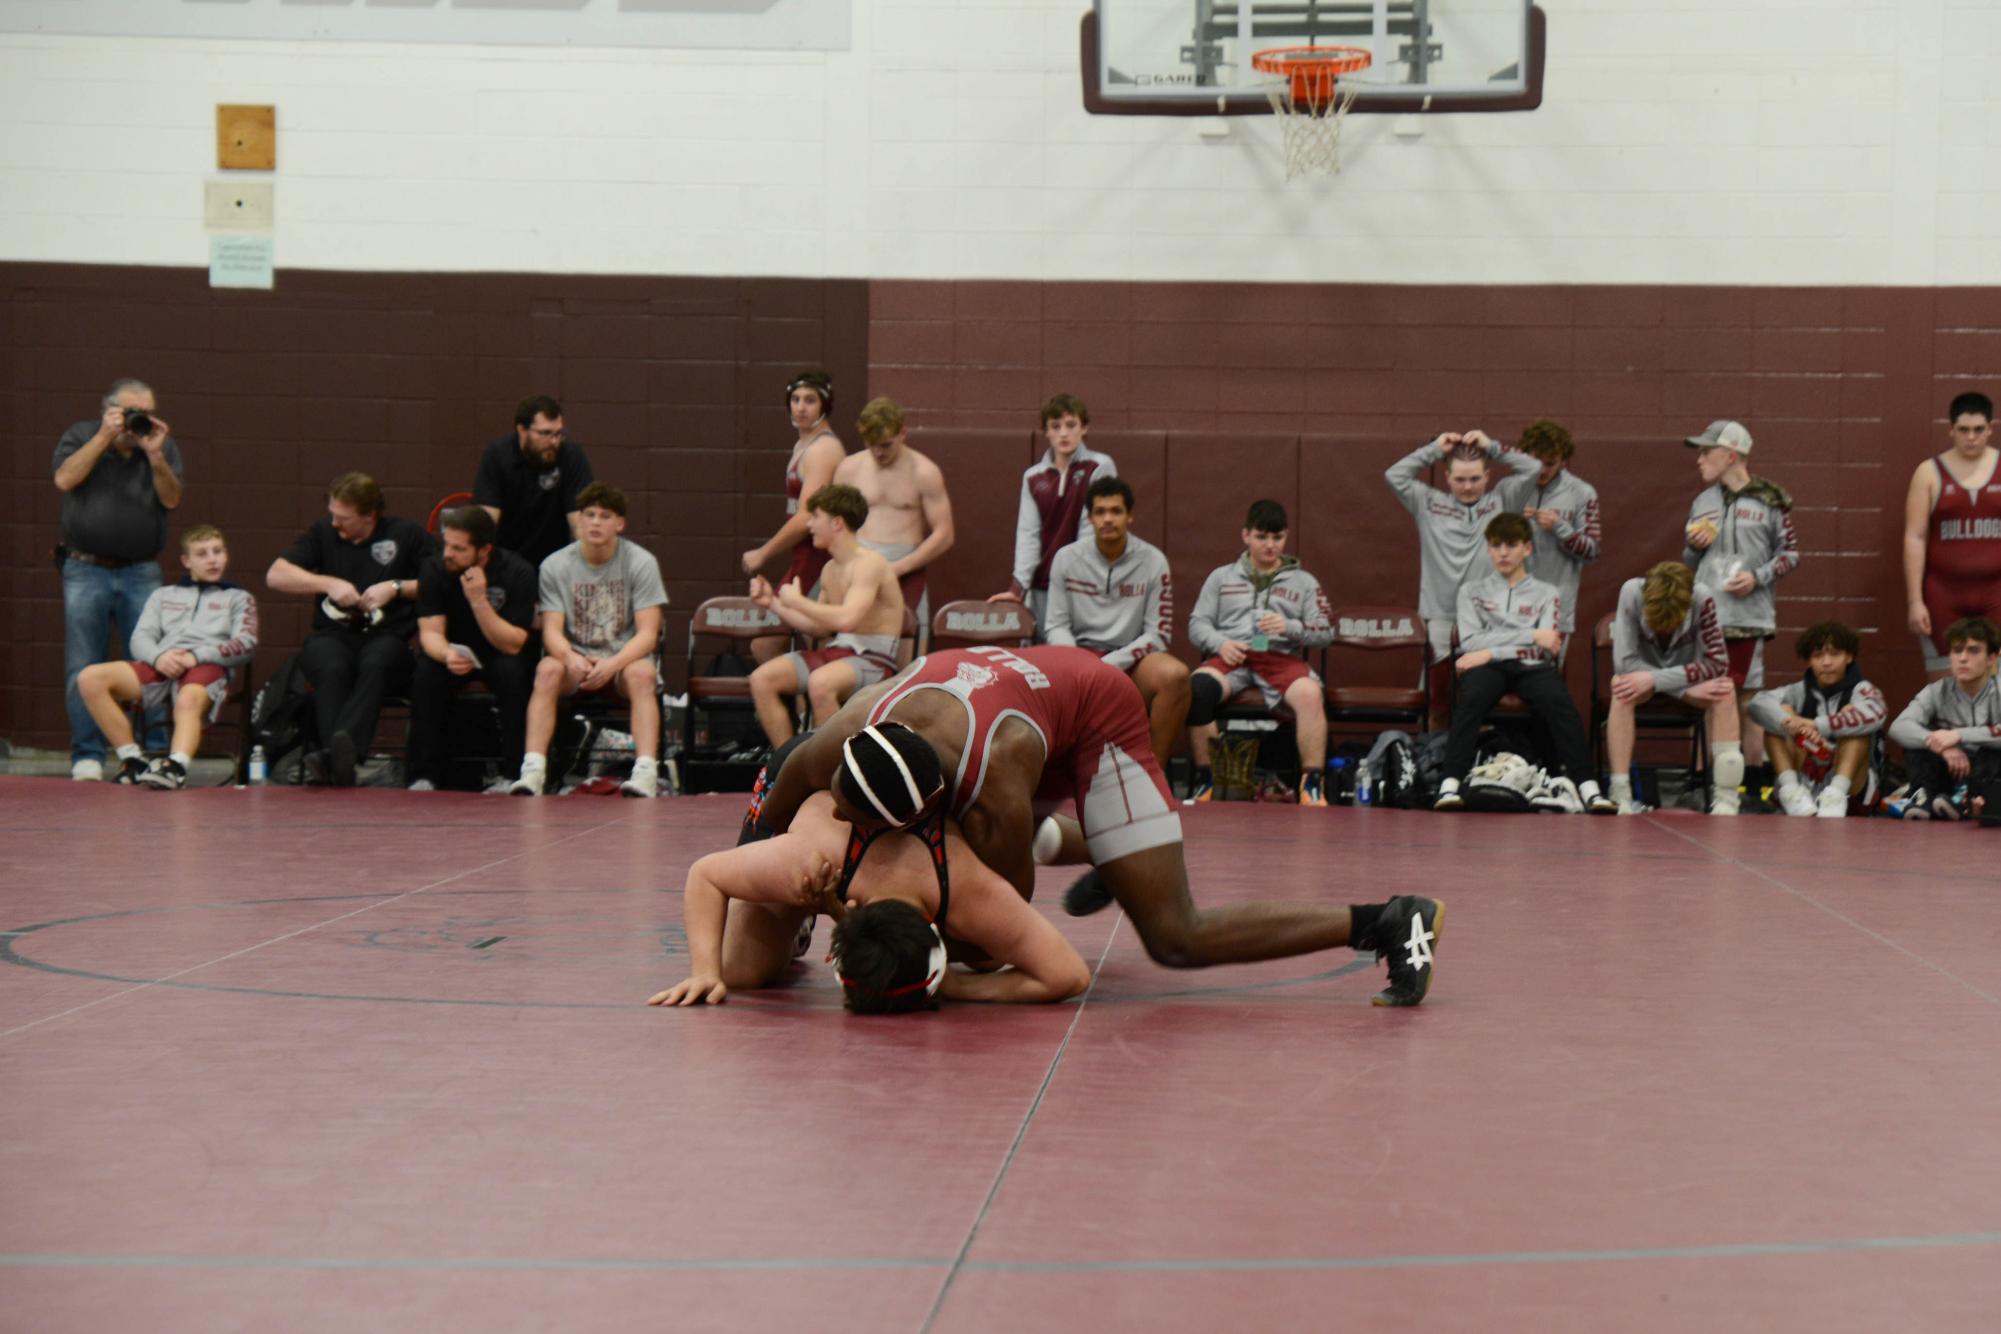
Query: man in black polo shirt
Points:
[475, 603]
[360, 565]
[529, 482]
[119, 475]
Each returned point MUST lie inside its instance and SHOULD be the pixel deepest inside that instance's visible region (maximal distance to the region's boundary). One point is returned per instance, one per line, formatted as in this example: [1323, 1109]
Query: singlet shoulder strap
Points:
[932, 832]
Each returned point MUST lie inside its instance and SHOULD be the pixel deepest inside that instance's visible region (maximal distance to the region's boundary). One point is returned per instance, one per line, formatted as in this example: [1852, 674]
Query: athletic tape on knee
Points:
[1205, 696]
[1729, 765]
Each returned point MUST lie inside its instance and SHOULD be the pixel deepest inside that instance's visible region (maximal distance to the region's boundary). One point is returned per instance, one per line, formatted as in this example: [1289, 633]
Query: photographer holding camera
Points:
[119, 476]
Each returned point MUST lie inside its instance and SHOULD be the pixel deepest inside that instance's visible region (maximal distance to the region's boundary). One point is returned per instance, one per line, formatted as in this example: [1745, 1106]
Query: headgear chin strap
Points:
[819, 382]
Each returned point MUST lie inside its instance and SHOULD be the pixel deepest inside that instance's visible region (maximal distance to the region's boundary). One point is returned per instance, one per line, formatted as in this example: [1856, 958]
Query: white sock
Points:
[1839, 783]
[129, 751]
[534, 760]
[1729, 764]
[1788, 780]
[1622, 788]
[1588, 788]
[645, 762]
[181, 758]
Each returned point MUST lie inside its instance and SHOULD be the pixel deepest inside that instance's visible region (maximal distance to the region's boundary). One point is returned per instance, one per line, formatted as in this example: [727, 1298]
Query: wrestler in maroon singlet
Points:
[1963, 552]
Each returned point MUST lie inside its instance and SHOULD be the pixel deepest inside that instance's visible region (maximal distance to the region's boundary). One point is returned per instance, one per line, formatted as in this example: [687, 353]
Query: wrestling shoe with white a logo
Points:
[1404, 936]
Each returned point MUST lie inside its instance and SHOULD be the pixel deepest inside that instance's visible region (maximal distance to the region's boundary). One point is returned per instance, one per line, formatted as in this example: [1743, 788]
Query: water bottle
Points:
[259, 771]
[1365, 787]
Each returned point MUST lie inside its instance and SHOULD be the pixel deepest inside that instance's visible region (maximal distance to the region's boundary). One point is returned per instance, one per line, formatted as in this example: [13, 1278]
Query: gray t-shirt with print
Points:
[598, 603]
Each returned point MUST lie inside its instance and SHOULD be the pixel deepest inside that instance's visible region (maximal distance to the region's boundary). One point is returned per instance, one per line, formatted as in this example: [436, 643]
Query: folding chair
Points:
[966, 622]
[1659, 714]
[720, 625]
[1374, 630]
[242, 695]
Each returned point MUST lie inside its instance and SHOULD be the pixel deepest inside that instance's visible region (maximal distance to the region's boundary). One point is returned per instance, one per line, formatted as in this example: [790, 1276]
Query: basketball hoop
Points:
[1310, 103]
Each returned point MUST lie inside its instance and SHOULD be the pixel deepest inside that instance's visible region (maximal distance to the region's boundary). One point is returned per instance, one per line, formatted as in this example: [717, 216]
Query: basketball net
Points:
[1310, 103]
[1311, 128]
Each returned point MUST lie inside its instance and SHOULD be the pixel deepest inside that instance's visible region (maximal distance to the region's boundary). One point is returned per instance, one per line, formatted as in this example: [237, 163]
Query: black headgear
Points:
[819, 382]
[889, 770]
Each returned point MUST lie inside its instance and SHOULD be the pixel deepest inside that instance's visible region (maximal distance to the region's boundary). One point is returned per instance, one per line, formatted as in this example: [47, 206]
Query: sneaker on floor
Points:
[86, 771]
[1634, 808]
[340, 760]
[130, 772]
[1448, 796]
[1833, 806]
[1310, 793]
[422, 785]
[167, 775]
[1725, 803]
[645, 782]
[1795, 799]
[1404, 936]
[529, 784]
[1087, 894]
[1203, 789]
[1559, 795]
[1600, 804]
[1943, 807]
[1915, 804]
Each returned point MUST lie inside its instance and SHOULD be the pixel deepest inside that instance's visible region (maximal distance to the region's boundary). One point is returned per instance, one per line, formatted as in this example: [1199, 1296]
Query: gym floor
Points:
[359, 1060]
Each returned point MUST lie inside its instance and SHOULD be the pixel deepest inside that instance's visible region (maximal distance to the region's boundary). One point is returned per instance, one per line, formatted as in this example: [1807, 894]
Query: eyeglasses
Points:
[546, 432]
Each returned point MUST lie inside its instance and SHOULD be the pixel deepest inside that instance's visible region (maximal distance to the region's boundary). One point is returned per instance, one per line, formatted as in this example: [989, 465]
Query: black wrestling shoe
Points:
[1404, 935]
[1087, 894]
[131, 772]
[314, 768]
[340, 760]
[169, 776]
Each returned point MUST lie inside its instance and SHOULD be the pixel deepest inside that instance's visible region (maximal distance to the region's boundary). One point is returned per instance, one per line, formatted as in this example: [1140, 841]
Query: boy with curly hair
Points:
[1824, 732]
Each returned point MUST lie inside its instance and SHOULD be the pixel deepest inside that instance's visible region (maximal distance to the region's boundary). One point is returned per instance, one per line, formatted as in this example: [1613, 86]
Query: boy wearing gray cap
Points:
[1739, 540]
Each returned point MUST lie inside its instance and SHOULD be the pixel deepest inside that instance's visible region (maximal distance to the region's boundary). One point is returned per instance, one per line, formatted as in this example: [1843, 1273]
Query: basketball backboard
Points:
[1193, 57]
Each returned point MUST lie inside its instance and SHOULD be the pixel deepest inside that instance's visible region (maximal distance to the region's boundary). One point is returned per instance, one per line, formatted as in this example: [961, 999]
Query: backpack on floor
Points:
[1506, 783]
[281, 717]
[1391, 769]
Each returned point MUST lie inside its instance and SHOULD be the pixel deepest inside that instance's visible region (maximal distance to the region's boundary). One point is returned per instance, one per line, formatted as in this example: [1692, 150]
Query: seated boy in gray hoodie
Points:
[189, 637]
[1824, 732]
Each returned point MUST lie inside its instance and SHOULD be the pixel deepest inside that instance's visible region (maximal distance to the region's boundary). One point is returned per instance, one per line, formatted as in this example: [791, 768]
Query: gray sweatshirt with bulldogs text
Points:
[1943, 705]
[1504, 619]
[1235, 595]
[1694, 653]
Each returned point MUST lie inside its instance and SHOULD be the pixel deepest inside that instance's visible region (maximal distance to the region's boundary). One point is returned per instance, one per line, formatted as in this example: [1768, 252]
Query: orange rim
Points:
[1312, 70]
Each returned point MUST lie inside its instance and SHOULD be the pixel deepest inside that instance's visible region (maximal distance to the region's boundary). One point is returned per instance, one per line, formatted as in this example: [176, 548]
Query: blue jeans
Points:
[92, 598]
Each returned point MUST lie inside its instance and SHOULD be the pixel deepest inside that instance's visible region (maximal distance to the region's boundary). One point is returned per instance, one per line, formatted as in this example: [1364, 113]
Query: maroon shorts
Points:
[1747, 663]
[869, 668]
[204, 674]
[913, 588]
[1271, 673]
[807, 562]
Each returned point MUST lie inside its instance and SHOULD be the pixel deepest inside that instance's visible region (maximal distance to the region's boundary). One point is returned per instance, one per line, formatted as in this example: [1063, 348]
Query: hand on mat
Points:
[696, 990]
[819, 889]
[1232, 652]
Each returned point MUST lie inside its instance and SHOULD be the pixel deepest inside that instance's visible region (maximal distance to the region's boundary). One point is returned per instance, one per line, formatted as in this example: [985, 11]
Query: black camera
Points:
[138, 421]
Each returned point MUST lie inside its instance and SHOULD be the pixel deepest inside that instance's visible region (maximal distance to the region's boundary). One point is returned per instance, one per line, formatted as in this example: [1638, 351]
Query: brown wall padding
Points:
[1208, 394]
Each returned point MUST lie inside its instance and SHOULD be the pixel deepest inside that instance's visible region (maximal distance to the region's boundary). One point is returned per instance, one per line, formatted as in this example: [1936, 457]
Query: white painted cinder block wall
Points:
[1681, 141]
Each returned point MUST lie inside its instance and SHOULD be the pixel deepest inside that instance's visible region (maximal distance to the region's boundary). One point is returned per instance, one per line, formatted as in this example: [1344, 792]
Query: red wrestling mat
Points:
[361, 1060]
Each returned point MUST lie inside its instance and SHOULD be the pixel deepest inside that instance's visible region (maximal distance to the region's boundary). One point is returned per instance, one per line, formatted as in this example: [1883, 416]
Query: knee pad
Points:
[1205, 696]
[1729, 765]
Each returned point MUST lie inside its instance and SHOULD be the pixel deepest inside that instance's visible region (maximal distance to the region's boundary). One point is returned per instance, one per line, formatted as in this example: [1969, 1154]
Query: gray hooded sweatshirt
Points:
[1754, 531]
[1451, 537]
[215, 622]
[1235, 595]
[1942, 704]
[1694, 653]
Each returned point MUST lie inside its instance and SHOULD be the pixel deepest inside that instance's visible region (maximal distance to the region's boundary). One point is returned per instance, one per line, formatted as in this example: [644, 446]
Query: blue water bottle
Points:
[1338, 778]
[1365, 787]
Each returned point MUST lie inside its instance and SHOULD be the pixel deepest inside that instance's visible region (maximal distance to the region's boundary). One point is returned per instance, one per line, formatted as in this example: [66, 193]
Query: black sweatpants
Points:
[1928, 771]
[1541, 687]
[351, 672]
[511, 678]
